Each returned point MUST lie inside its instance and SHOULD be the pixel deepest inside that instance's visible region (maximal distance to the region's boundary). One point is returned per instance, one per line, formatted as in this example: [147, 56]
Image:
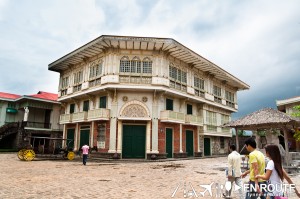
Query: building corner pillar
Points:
[180, 137]
[76, 140]
[113, 123]
[119, 142]
[148, 129]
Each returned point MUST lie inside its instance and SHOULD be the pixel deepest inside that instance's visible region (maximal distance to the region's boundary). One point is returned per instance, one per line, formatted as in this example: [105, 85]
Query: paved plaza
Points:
[109, 179]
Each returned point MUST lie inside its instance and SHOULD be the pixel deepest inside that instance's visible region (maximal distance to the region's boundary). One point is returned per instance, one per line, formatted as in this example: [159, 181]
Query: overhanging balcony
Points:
[37, 125]
[65, 118]
[194, 120]
[171, 116]
[80, 116]
[98, 114]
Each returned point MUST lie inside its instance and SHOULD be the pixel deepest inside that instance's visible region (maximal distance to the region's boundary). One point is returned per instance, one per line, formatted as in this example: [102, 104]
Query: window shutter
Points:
[102, 102]
[169, 104]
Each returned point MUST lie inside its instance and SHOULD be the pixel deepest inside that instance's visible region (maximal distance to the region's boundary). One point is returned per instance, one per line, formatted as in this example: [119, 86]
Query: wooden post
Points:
[237, 144]
[287, 154]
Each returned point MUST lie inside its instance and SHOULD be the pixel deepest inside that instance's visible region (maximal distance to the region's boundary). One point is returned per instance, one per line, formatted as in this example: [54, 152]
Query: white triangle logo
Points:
[237, 187]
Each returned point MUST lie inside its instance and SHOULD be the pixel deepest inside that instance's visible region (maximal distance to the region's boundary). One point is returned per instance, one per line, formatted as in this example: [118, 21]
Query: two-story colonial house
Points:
[38, 114]
[136, 97]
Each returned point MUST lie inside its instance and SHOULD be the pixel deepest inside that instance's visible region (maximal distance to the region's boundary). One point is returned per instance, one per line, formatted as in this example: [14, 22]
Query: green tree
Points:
[296, 113]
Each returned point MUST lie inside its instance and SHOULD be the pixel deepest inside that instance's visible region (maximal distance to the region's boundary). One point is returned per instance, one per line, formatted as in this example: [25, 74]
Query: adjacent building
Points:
[39, 113]
[287, 106]
[137, 97]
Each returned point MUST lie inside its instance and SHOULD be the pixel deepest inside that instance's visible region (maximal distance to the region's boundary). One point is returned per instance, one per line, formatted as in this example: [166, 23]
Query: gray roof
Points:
[263, 118]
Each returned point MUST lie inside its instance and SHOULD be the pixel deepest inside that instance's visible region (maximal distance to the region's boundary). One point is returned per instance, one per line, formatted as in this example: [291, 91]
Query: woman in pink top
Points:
[85, 152]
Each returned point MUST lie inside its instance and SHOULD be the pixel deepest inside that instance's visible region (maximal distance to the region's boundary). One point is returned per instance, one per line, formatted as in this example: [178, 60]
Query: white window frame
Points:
[217, 91]
[78, 77]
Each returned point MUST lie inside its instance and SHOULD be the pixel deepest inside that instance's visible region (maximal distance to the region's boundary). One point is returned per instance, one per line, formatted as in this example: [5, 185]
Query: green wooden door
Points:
[169, 143]
[134, 141]
[206, 147]
[189, 141]
[70, 135]
[84, 137]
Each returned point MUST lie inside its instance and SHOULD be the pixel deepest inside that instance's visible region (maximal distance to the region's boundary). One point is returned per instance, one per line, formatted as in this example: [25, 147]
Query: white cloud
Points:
[3, 4]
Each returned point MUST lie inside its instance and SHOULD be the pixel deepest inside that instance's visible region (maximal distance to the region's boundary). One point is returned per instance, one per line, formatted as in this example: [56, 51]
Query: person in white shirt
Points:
[234, 171]
[274, 172]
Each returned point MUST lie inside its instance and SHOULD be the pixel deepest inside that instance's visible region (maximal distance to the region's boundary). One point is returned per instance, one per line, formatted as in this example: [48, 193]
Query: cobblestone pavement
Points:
[108, 179]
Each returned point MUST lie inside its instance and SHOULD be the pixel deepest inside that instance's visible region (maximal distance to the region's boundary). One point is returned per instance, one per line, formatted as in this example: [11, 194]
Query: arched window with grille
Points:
[147, 66]
[136, 65]
[125, 65]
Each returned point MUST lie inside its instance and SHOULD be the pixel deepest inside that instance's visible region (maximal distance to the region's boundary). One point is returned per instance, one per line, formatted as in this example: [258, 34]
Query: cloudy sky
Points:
[256, 41]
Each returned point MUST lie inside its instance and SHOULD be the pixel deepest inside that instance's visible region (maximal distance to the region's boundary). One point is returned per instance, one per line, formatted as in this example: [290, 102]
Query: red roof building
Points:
[9, 96]
[45, 96]
[40, 95]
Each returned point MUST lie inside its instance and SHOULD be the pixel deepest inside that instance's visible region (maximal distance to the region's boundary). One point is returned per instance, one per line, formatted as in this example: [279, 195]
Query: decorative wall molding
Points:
[135, 109]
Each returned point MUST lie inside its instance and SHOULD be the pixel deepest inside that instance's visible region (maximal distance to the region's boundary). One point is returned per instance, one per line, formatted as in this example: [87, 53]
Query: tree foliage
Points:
[296, 113]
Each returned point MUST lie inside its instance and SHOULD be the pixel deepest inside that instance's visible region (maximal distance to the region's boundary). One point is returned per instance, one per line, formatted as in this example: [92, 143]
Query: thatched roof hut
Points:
[266, 118]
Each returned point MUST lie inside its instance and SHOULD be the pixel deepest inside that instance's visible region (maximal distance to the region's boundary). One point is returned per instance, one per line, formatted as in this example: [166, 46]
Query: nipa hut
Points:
[265, 119]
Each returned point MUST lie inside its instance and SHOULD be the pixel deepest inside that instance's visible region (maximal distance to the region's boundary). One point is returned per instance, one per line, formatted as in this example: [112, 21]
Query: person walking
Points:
[275, 173]
[257, 167]
[234, 171]
[85, 152]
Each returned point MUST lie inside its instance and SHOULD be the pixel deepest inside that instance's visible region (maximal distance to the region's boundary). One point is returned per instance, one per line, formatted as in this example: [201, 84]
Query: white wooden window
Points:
[211, 118]
[177, 74]
[211, 121]
[96, 70]
[198, 83]
[65, 82]
[147, 65]
[178, 78]
[224, 119]
[78, 76]
[124, 65]
[136, 65]
[229, 96]
[217, 91]
[172, 72]
[199, 87]
[183, 77]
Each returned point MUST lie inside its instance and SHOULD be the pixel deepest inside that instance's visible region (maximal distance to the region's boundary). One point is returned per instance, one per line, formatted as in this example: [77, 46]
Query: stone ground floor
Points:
[143, 139]
[62, 179]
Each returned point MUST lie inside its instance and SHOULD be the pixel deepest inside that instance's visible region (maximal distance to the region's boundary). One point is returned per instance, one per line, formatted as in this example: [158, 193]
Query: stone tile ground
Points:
[107, 179]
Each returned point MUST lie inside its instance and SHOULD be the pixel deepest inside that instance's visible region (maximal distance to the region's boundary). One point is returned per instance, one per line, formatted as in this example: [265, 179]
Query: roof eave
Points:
[8, 99]
[54, 66]
[39, 99]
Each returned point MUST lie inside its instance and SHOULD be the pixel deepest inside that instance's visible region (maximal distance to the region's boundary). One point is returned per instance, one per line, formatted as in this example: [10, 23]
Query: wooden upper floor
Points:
[145, 63]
